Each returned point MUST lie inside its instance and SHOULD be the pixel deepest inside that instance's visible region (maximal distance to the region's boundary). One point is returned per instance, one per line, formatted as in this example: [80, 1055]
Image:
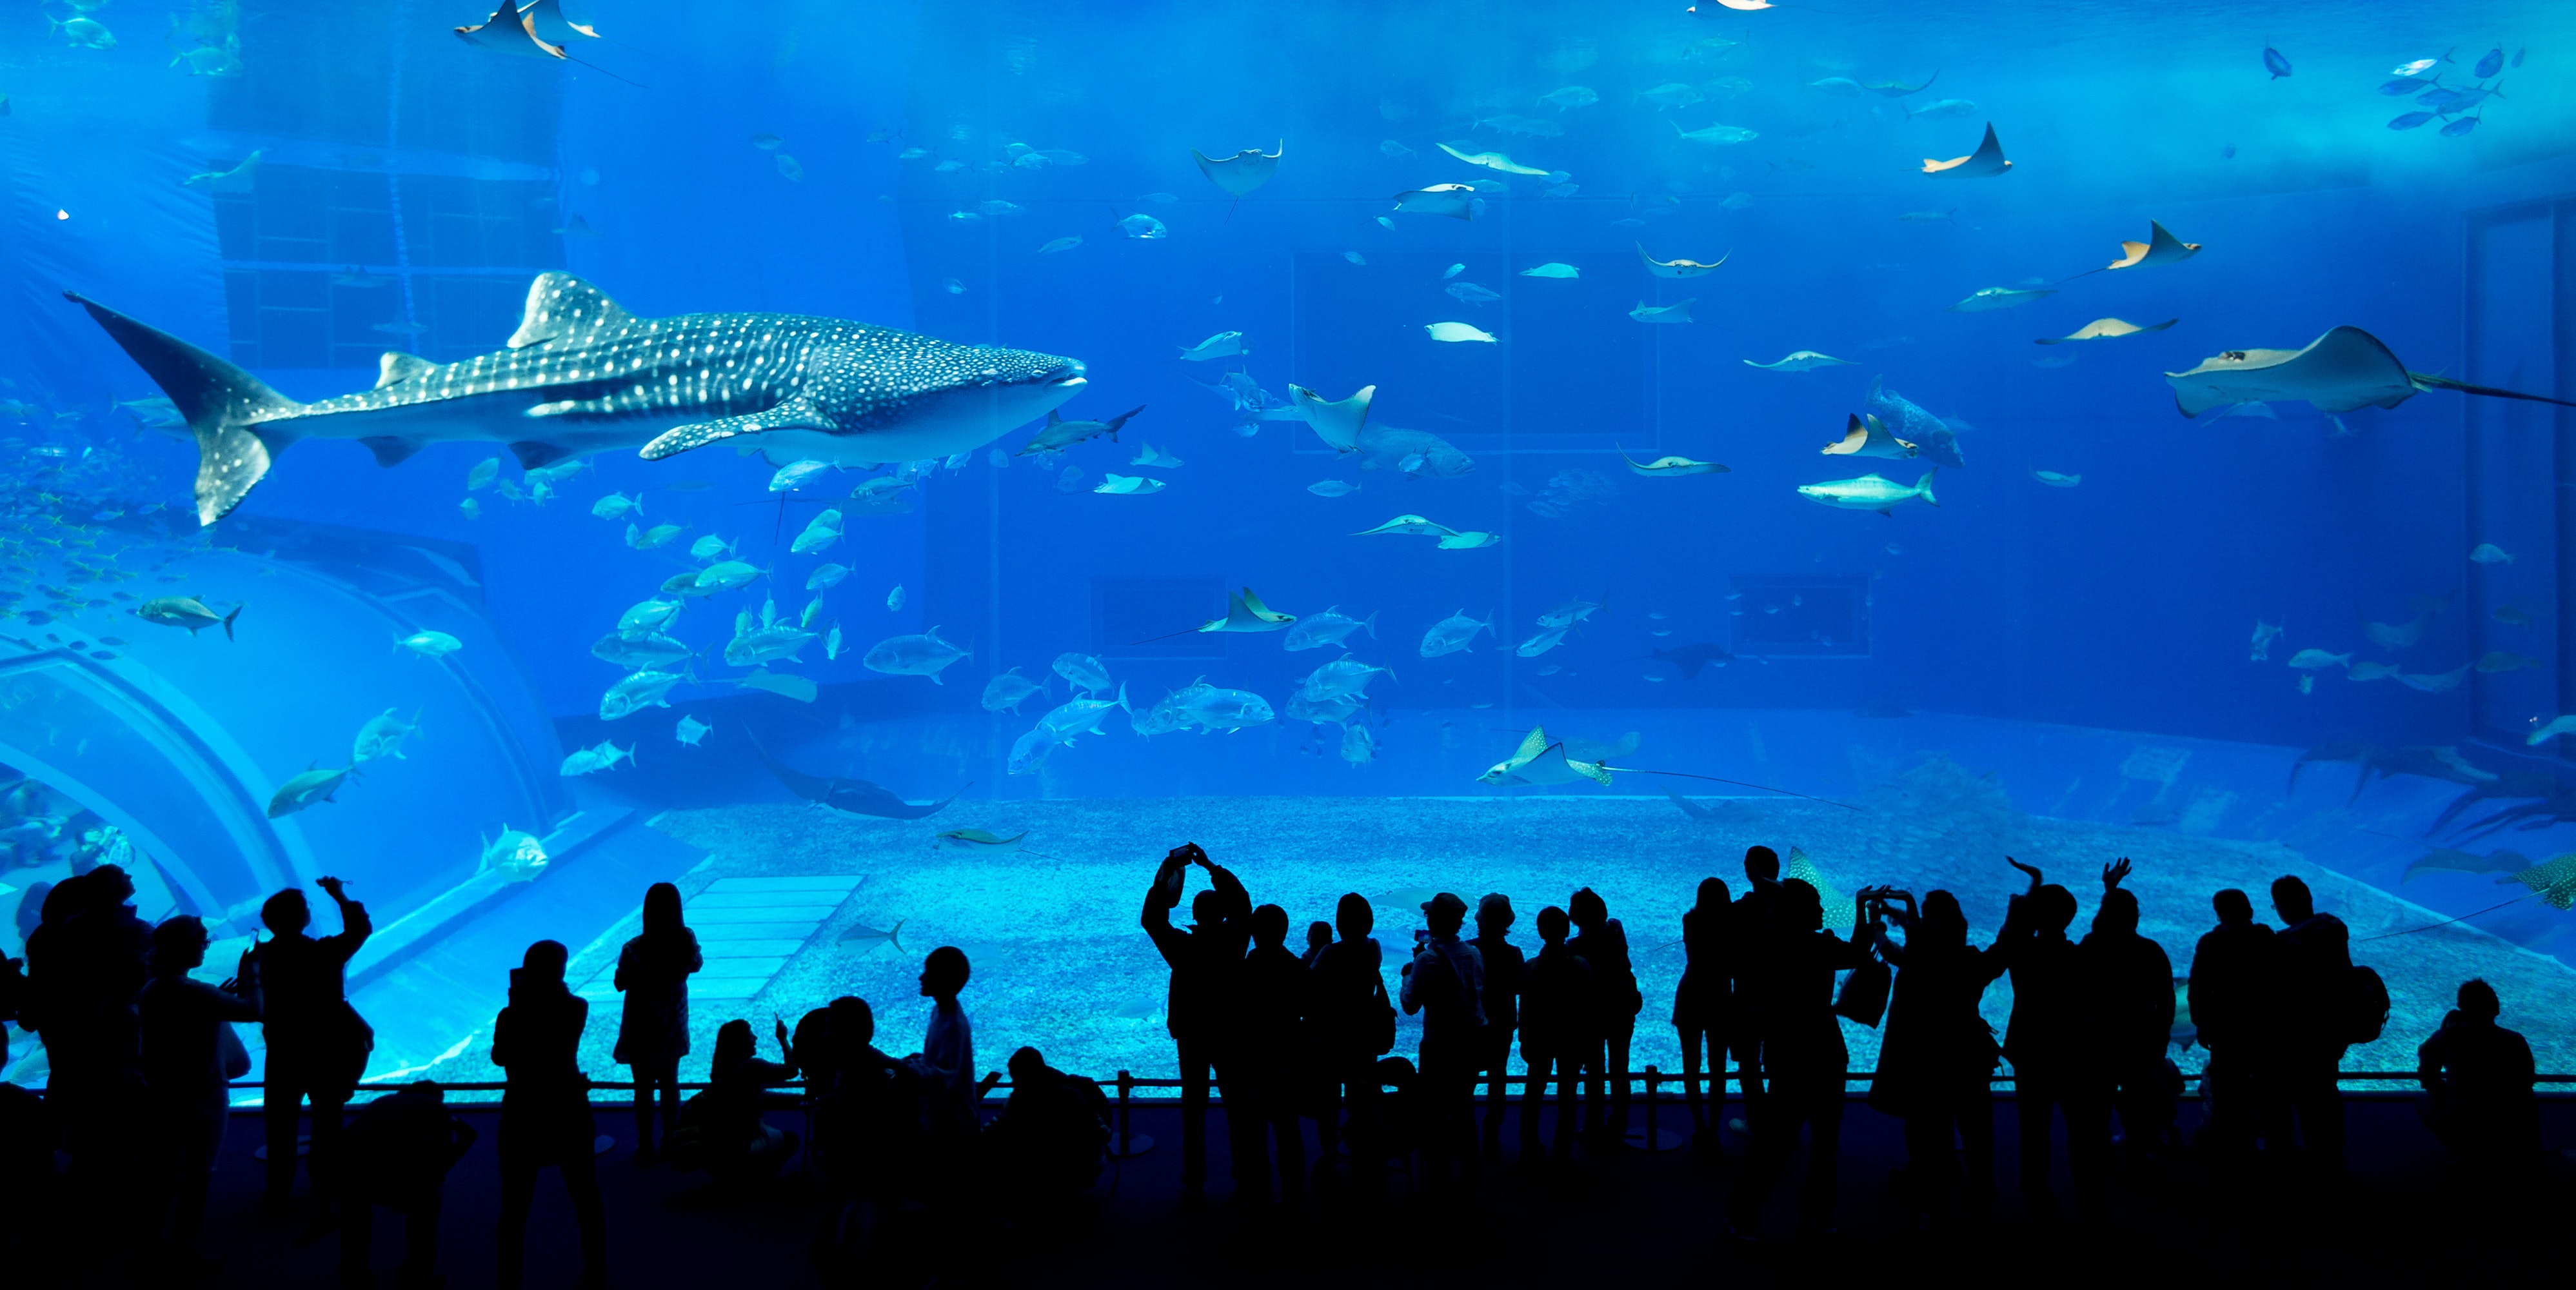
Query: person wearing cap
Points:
[1445, 982]
[1504, 970]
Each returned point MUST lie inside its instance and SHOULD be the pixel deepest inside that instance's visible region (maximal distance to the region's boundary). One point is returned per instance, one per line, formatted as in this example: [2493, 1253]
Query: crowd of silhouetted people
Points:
[141, 1054]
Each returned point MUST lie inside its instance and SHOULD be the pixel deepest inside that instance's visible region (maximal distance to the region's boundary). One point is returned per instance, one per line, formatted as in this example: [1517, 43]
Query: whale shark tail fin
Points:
[231, 411]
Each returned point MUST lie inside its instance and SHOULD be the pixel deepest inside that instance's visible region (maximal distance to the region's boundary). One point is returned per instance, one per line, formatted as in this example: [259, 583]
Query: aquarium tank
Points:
[896, 470]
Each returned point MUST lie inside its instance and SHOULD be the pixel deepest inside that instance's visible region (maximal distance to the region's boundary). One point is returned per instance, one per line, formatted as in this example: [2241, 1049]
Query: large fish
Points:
[581, 375]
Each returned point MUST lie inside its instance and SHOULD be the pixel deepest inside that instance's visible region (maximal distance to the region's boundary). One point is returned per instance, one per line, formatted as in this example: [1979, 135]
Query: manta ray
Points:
[581, 375]
[2344, 369]
[849, 796]
[1541, 761]
[1242, 172]
[1985, 163]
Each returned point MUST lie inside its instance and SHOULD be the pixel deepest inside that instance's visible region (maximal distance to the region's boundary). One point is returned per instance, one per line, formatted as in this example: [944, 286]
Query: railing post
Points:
[1654, 1135]
[1129, 1143]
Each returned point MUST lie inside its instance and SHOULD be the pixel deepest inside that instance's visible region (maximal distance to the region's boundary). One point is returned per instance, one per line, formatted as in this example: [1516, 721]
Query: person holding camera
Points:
[1200, 1011]
[317, 1043]
[1802, 1051]
[1936, 1063]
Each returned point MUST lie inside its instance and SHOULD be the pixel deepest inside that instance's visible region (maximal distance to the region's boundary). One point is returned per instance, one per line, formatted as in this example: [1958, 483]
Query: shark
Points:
[582, 375]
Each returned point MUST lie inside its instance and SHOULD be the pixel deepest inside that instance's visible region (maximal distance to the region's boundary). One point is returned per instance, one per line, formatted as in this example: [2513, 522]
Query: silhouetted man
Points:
[317, 1043]
[89, 967]
[1504, 969]
[2133, 1015]
[2477, 1076]
[1269, 1059]
[1201, 1009]
[1445, 982]
[1808, 1061]
[1748, 923]
[2232, 997]
[2315, 974]
[2049, 1042]
[1556, 1026]
[396, 1154]
[1352, 1021]
[1603, 943]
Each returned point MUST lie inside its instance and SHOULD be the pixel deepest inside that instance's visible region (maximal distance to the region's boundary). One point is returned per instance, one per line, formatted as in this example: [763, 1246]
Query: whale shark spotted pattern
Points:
[581, 374]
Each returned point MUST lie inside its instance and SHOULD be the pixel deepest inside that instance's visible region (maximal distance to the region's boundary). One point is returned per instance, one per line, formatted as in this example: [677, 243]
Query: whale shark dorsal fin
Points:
[561, 305]
[395, 368]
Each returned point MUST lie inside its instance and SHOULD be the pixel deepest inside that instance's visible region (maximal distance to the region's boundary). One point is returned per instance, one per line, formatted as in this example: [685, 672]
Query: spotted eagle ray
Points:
[1542, 761]
[849, 796]
[537, 30]
[1242, 172]
[2344, 369]
[581, 375]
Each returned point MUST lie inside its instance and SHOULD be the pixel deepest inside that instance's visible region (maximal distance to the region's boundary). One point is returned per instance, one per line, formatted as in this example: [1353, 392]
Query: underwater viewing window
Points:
[1802, 617]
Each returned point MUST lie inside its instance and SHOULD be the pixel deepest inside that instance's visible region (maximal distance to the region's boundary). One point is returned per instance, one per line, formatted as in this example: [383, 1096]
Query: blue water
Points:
[309, 187]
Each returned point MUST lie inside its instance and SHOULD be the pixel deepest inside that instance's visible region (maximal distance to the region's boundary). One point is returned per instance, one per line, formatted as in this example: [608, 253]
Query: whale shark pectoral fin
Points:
[786, 416]
[533, 454]
[393, 450]
[561, 306]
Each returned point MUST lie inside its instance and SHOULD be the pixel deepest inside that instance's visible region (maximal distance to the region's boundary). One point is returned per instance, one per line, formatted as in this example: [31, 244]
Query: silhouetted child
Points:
[1556, 1028]
[396, 1154]
[1319, 935]
[1504, 970]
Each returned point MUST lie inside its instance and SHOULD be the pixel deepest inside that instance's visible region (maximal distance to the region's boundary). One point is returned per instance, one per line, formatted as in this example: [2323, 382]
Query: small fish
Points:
[794, 474]
[617, 506]
[482, 474]
[1457, 331]
[2055, 480]
[2312, 659]
[1142, 226]
[1473, 293]
[2460, 127]
[1552, 270]
[2500, 661]
[1715, 135]
[789, 169]
[2490, 553]
[955, 288]
[709, 547]
[1224, 344]
[2264, 634]
[1128, 485]
[1391, 148]
[1677, 313]
[1061, 244]
[1356, 258]
[585, 761]
[2512, 616]
[2307, 685]
[1332, 488]
[174, 611]
[2275, 63]
[1569, 97]
[305, 789]
[894, 598]
[1992, 298]
[1452, 635]
[1661, 466]
[871, 937]
[2410, 120]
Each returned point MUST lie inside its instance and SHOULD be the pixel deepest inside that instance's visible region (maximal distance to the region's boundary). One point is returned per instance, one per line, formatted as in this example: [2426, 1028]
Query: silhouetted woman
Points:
[545, 1110]
[1702, 1004]
[189, 1053]
[653, 1029]
[1936, 1064]
[740, 1144]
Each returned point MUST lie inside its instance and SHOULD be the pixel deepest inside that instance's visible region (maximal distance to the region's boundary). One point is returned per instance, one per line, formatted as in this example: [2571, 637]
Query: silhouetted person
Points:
[1319, 936]
[317, 1043]
[1504, 972]
[1703, 1004]
[1206, 961]
[1600, 941]
[1557, 1027]
[2477, 1078]
[740, 1145]
[867, 1131]
[545, 1110]
[1749, 924]
[89, 964]
[1936, 1060]
[395, 1155]
[2132, 983]
[1270, 1059]
[946, 1062]
[189, 1054]
[2314, 973]
[1445, 982]
[2049, 1041]
[1046, 1145]
[1353, 1022]
[653, 1027]
[1804, 1055]
[2232, 1000]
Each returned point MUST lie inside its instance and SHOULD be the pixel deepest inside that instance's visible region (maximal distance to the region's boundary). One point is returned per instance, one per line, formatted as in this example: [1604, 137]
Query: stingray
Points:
[851, 796]
[1899, 89]
[2105, 329]
[1244, 612]
[1242, 172]
[1491, 161]
[1985, 163]
[1338, 424]
[2553, 880]
[1541, 761]
[2161, 247]
[2344, 369]
[1457, 201]
[1661, 466]
[1681, 268]
[1805, 360]
[1867, 436]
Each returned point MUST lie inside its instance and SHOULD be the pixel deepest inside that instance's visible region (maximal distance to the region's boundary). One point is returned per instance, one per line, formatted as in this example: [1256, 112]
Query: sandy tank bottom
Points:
[1060, 963]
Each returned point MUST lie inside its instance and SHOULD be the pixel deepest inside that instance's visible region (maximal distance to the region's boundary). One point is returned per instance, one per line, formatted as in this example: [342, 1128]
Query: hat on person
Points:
[1494, 902]
[1445, 903]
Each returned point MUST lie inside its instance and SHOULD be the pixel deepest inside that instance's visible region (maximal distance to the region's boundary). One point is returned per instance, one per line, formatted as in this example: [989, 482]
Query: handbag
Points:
[1381, 1035]
[1863, 997]
[229, 1052]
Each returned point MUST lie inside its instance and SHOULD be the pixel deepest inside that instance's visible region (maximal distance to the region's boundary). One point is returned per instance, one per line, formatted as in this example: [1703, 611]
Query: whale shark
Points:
[581, 375]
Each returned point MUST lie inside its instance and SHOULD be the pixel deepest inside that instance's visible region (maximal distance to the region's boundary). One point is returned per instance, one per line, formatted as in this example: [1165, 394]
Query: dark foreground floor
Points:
[2401, 1215]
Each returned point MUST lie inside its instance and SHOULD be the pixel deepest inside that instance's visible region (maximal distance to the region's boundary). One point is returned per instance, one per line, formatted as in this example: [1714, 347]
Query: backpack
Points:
[2365, 1005]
